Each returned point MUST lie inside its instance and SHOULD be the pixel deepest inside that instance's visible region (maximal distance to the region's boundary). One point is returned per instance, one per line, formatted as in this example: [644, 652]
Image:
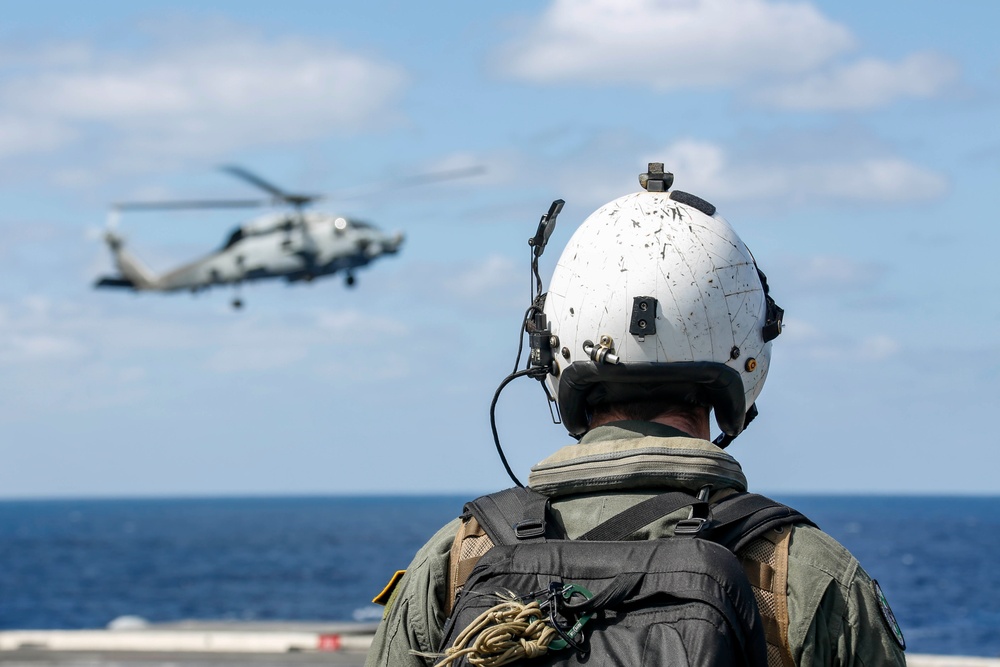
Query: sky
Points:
[855, 147]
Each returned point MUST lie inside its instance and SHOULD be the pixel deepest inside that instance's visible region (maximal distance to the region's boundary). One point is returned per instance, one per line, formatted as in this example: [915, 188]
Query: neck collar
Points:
[631, 455]
[629, 428]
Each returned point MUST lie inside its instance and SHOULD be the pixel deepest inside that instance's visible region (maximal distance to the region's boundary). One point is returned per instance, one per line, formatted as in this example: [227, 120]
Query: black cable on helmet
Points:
[534, 369]
[520, 338]
[493, 416]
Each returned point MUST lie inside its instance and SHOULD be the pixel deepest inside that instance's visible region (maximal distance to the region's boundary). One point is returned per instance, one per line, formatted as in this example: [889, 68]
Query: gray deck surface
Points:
[352, 655]
[34, 658]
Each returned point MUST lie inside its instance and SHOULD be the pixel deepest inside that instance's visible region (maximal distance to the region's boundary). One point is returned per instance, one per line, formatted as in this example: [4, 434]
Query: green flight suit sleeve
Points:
[414, 616]
[835, 618]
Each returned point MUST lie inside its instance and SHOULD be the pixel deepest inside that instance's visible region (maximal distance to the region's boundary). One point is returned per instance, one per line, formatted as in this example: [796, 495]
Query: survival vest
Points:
[522, 590]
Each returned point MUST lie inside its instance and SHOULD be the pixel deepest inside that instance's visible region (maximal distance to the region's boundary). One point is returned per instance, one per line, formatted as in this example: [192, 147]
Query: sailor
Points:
[657, 318]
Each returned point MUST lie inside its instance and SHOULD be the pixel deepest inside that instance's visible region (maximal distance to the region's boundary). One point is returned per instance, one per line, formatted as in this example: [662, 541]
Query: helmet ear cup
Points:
[681, 297]
[773, 312]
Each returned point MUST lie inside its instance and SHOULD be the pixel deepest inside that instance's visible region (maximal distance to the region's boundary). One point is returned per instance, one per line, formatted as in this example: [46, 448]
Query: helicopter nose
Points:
[396, 241]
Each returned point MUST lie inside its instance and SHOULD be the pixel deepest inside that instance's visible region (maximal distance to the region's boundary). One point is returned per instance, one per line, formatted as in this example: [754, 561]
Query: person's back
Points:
[657, 316]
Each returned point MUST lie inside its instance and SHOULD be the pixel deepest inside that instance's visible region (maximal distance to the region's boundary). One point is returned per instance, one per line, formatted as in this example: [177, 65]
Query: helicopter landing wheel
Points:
[349, 280]
[237, 303]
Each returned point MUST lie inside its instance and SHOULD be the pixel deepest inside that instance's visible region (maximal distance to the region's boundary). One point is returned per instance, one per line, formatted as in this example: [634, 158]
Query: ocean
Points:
[82, 563]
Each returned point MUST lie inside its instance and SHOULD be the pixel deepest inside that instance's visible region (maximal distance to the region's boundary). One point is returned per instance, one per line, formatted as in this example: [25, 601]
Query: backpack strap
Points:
[754, 527]
[741, 518]
[758, 530]
[510, 516]
[625, 523]
[736, 520]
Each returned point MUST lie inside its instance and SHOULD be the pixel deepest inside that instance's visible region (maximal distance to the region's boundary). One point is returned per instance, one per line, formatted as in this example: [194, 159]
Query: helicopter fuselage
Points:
[295, 246]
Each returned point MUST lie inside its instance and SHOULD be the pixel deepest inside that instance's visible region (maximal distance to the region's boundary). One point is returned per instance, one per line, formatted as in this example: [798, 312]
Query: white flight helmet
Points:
[656, 296]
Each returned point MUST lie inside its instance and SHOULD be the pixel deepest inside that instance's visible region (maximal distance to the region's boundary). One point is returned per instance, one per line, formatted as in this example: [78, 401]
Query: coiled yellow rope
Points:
[507, 632]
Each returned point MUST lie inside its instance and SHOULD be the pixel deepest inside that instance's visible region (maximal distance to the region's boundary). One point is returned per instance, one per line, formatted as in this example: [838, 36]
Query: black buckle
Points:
[691, 526]
[699, 514]
[529, 528]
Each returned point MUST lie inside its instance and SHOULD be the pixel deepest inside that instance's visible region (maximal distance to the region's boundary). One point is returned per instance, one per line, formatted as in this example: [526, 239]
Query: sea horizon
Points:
[78, 563]
[454, 494]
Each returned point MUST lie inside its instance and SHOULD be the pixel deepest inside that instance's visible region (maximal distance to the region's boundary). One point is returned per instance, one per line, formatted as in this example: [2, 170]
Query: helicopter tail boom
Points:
[134, 274]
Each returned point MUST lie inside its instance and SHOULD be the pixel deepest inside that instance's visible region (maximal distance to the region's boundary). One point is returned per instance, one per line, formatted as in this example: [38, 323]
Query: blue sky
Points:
[854, 146]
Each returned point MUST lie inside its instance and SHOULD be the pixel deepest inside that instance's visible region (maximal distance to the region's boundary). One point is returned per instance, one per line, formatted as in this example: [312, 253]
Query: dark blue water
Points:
[80, 564]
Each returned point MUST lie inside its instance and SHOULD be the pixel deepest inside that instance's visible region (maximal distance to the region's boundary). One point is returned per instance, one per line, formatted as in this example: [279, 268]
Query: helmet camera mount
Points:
[541, 341]
[655, 179]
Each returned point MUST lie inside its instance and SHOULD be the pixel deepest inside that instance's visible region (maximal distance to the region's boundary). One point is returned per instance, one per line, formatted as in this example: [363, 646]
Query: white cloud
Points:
[342, 324]
[828, 272]
[205, 96]
[864, 84]
[253, 357]
[877, 348]
[23, 134]
[31, 348]
[266, 343]
[803, 339]
[709, 170]
[61, 355]
[39, 331]
[493, 289]
[835, 165]
[695, 43]
[495, 275]
[784, 55]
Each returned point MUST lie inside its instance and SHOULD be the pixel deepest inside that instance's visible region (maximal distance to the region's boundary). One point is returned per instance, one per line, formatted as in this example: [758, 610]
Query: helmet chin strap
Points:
[724, 439]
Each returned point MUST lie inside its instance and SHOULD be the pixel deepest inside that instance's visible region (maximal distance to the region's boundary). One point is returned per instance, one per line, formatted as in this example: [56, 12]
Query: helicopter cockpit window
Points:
[234, 238]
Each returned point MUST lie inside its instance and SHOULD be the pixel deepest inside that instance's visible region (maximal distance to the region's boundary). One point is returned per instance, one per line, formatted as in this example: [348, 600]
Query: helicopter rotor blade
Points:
[410, 181]
[436, 176]
[255, 180]
[280, 196]
[190, 204]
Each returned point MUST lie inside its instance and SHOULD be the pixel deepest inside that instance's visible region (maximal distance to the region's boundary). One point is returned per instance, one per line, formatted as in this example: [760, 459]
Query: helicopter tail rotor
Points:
[114, 218]
[114, 240]
[95, 233]
[132, 273]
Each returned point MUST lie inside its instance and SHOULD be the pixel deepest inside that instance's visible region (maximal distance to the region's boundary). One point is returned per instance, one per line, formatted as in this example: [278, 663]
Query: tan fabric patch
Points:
[766, 562]
[761, 551]
[475, 546]
[774, 656]
[471, 543]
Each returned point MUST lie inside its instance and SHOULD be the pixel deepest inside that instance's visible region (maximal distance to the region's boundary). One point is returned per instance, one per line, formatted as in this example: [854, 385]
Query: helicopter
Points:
[296, 245]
